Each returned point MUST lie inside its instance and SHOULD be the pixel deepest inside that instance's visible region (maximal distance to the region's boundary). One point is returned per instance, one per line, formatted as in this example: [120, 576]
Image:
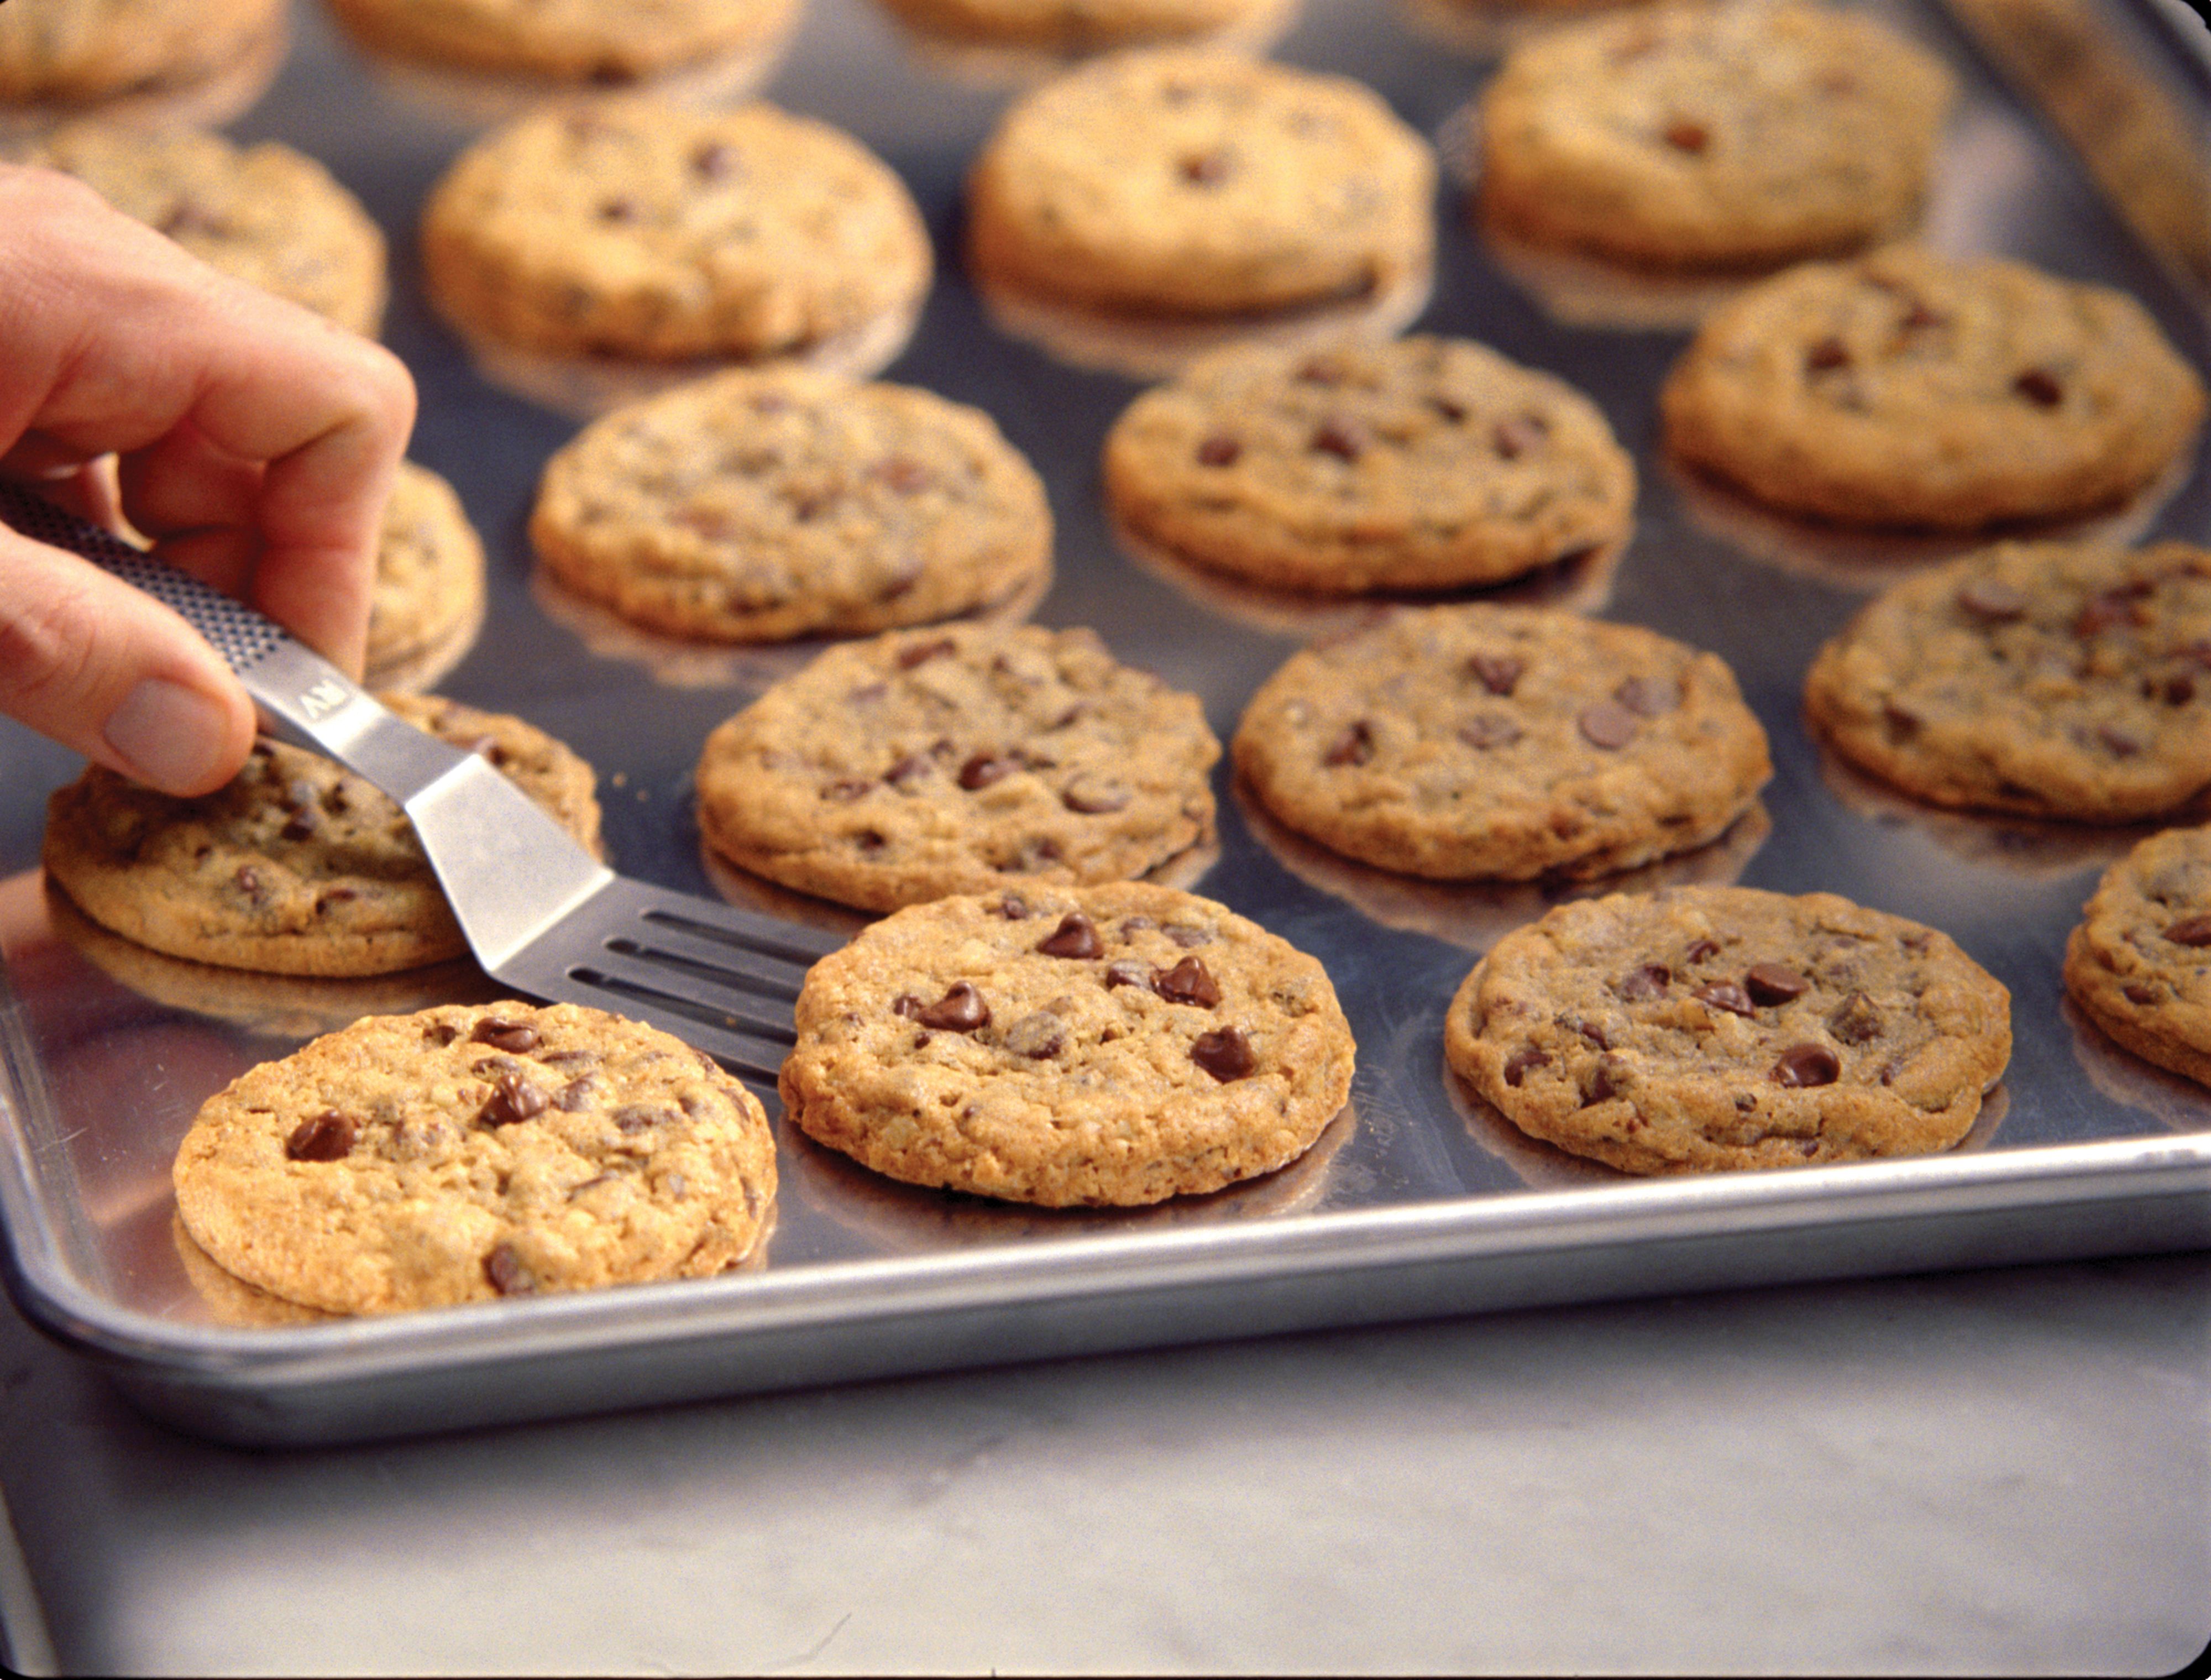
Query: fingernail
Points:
[171, 736]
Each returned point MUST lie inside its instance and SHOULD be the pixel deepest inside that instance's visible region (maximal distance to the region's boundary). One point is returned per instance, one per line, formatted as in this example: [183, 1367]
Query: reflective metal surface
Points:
[1414, 1202]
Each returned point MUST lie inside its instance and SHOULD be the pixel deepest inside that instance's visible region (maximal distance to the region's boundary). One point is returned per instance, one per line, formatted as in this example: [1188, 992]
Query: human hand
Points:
[252, 443]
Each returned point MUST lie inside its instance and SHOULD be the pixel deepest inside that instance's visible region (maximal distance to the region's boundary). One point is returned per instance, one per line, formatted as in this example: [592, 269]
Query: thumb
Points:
[112, 673]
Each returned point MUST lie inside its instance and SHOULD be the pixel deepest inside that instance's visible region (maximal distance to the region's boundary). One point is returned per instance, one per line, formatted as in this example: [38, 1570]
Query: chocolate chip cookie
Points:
[921, 762]
[638, 231]
[1699, 1028]
[296, 866]
[2043, 679]
[1906, 389]
[577, 42]
[1489, 742]
[1419, 463]
[264, 213]
[769, 505]
[1068, 27]
[1187, 182]
[2139, 961]
[64, 56]
[1112, 1045]
[471, 1153]
[429, 595]
[1736, 135]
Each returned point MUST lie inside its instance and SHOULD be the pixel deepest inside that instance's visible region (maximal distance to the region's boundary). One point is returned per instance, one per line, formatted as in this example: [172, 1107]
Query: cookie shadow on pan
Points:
[1475, 914]
[1868, 560]
[1544, 1166]
[1149, 348]
[891, 1217]
[756, 893]
[460, 102]
[278, 1006]
[586, 387]
[211, 100]
[1581, 583]
[994, 66]
[2174, 1101]
[2030, 847]
[675, 661]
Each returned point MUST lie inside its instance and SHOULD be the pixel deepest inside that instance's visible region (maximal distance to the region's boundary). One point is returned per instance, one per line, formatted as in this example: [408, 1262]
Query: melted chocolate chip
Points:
[1807, 1064]
[960, 1010]
[1513, 438]
[512, 1099]
[507, 1271]
[1038, 1035]
[1220, 450]
[1772, 983]
[1225, 1053]
[1489, 730]
[1646, 981]
[2190, 930]
[326, 1136]
[1684, 134]
[2041, 387]
[1523, 1061]
[1828, 355]
[1499, 673]
[1343, 439]
[1355, 746]
[1608, 725]
[1856, 1020]
[984, 768]
[1188, 982]
[922, 652]
[517, 1037]
[1647, 696]
[1726, 995]
[1076, 935]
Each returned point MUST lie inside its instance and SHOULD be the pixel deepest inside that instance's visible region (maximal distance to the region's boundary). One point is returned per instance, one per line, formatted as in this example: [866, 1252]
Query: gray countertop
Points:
[1990, 1472]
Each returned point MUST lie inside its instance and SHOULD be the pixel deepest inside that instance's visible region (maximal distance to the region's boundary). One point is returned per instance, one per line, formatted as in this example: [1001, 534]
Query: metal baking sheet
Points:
[1414, 1203]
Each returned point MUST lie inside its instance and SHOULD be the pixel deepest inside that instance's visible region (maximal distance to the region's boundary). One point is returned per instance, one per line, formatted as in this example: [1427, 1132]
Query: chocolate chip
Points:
[1220, 450]
[1353, 747]
[1224, 1053]
[1513, 438]
[716, 160]
[1076, 935]
[984, 768]
[326, 1136]
[904, 474]
[635, 1117]
[2040, 387]
[1207, 169]
[1345, 440]
[1648, 696]
[1489, 730]
[513, 1099]
[1649, 980]
[1088, 799]
[1726, 995]
[507, 1273]
[2112, 610]
[960, 1010]
[1828, 355]
[517, 1037]
[1127, 972]
[1772, 983]
[1499, 673]
[1684, 134]
[922, 653]
[1188, 982]
[1807, 1064]
[1523, 1061]
[2138, 991]
[1608, 725]
[2190, 930]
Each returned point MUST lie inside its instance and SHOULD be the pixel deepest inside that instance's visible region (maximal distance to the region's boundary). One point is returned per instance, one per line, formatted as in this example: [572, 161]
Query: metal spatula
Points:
[540, 914]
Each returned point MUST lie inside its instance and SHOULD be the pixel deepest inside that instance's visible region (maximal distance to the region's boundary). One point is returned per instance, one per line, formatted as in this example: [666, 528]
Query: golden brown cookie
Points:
[266, 213]
[1112, 1045]
[1699, 1028]
[2139, 961]
[578, 42]
[1484, 742]
[953, 759]
[209, 58]
[767, 505]
[296, 866]
[640, 232]
[429, 596]
[1713, 136]
[2044, 679]
[473, 1153]
[1908, 389]
[1418, 463]
[1186, 181]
